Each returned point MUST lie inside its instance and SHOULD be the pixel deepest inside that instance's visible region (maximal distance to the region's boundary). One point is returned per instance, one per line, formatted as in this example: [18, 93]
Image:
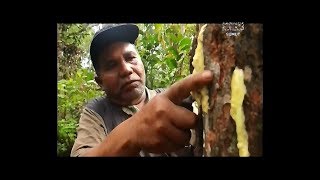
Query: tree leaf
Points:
[153, 59]
[171, 63]
[173, 51]
[158, 27]
[185, 43]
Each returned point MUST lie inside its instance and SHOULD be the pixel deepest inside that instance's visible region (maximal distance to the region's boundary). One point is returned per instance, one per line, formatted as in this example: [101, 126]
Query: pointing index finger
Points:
[181, 89]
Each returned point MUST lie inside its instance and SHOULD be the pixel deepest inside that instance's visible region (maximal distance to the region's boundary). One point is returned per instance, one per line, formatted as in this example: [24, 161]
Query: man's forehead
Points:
[118, 48]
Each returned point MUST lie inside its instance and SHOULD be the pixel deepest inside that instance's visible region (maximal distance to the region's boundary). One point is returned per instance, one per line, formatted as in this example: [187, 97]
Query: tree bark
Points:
[222, 54]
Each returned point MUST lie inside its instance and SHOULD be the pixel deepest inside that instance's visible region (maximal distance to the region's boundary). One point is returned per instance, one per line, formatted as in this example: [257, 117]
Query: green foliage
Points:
[72, 94]
[164, 50]
[75, 85]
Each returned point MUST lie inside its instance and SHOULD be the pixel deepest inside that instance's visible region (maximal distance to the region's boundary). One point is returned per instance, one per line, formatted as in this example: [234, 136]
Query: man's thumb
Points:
[181, 89]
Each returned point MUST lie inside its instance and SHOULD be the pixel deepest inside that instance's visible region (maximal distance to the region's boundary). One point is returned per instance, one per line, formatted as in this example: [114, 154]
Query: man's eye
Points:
[130, 58]
[110, 65]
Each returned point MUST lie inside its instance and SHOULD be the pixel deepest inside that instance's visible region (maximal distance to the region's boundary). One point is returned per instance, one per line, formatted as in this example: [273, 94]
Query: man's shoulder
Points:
[97, 104]
[95, 101]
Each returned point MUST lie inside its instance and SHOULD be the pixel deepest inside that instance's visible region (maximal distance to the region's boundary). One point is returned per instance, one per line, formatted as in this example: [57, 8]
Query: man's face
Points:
[121, 73]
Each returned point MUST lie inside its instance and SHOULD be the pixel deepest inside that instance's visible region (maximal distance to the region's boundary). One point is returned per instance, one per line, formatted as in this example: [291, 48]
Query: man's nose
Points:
[125, 69]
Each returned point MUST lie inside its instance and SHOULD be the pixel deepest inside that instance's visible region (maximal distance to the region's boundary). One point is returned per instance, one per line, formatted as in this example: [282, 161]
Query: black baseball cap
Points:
[112, 33]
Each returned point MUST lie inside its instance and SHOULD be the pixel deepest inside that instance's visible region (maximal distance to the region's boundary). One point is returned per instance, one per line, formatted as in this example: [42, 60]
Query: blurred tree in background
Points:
[76, 83]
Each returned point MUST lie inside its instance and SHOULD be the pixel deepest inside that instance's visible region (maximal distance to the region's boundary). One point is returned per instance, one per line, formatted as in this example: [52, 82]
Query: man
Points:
[132, 120]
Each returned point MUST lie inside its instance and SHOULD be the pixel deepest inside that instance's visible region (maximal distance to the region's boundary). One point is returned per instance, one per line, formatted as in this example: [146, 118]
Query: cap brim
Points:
[125, 33]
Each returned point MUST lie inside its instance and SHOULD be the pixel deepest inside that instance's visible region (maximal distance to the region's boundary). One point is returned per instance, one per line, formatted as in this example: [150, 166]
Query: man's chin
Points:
[133, 96]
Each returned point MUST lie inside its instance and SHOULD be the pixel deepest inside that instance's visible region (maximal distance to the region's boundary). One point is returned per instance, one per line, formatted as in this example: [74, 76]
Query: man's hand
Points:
[162, 125]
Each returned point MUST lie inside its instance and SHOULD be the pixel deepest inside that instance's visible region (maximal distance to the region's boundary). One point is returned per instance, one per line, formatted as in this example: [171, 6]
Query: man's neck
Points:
[143, 101]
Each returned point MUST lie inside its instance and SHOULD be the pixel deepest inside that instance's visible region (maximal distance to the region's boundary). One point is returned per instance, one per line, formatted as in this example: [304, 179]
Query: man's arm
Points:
[92, 139]
[117, 143]
[162, 125]
[90, 132]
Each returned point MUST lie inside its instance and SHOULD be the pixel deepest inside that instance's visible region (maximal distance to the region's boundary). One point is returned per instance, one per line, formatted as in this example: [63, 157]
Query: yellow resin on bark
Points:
[238, 90]
[201, 98]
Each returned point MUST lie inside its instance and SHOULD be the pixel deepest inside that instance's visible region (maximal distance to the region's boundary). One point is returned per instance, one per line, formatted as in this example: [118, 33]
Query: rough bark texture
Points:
[222, 54]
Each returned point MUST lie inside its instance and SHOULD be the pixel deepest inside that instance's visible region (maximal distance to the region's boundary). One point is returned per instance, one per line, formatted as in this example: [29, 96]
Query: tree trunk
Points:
[223, 51]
